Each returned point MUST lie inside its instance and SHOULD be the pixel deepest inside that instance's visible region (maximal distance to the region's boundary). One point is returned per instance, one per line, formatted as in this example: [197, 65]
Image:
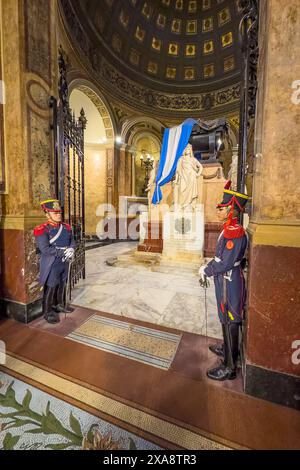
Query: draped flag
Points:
[174, 142]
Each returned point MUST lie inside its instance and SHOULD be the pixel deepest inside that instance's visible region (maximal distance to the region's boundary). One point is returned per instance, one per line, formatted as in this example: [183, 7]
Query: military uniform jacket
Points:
[50, 252]
[227, 272]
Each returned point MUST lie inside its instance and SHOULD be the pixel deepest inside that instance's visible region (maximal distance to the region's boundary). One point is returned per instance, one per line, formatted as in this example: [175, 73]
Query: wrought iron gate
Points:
[69, 169]
[249, 26]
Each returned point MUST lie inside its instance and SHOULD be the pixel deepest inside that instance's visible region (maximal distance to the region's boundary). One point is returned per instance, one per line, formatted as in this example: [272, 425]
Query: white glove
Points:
[68, 254]
[202, 274]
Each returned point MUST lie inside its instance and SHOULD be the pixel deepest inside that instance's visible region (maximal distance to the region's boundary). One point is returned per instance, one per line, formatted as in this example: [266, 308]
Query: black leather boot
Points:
[49, 314]
[217, 349]
[61, 304]
[227, 370]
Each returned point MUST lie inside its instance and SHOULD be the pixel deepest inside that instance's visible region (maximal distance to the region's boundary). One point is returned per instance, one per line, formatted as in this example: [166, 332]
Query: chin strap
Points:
[49, 213]
[230, 215]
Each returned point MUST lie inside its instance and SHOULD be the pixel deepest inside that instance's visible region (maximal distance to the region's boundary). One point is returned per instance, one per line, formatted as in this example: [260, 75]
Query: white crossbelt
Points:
[53, 239]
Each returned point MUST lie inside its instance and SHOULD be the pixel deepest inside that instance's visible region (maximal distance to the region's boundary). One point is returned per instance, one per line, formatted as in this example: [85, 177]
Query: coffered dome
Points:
[167, 46]
[171, 41]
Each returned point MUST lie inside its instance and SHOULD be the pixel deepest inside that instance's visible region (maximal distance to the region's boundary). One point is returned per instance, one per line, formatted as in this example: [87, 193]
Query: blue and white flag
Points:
[174, 142]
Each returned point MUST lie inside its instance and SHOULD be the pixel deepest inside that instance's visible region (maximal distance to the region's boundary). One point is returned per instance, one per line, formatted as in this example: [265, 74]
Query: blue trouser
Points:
[58, 273]
[235, 296]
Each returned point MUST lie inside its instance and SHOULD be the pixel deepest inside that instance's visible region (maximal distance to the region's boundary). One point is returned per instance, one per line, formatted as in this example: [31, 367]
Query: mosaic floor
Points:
[31, 419]
[170, 298]
[34, 420]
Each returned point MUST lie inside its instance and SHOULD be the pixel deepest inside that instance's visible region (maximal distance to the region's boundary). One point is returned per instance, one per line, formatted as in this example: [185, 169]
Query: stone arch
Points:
[132, 127]
[144, 134]
[106, 114]
[149, 141]
[98, 153]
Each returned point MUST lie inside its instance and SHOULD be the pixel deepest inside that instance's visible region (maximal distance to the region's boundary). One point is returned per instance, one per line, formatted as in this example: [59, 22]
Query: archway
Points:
[146, 144]
[143, 136]
[99, 144]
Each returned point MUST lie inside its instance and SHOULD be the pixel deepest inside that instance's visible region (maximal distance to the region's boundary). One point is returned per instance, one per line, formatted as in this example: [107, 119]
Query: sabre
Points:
[205, 284]
[68, 284]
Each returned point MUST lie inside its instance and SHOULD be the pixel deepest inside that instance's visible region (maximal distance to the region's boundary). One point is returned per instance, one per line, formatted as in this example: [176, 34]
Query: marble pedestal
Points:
[183, 236]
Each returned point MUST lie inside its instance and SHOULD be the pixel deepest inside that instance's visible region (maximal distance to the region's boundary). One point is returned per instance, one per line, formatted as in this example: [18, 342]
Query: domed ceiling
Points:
[173, 46]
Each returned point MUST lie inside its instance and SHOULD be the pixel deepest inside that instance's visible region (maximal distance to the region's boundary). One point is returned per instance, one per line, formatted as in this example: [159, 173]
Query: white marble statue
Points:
[185, 184]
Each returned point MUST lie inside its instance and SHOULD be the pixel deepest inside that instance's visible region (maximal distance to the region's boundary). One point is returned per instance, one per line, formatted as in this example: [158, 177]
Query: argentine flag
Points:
[174, 142]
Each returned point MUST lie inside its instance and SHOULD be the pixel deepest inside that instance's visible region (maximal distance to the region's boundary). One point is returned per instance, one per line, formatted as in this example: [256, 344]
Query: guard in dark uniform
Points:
[56, 245]
[226, 269]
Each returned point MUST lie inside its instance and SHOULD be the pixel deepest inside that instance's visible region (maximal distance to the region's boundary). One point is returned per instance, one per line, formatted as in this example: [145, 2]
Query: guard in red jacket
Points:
[226, 269]
[56, 245]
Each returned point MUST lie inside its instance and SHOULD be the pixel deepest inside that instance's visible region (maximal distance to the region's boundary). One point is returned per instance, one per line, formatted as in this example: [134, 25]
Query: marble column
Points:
[128, 173]
[29, 65]
[133, 173]
[122, 170]
[110, 175]
[273, 331]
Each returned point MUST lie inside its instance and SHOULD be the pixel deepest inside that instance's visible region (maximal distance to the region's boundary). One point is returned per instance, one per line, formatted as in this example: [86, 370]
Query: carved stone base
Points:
[183, 234]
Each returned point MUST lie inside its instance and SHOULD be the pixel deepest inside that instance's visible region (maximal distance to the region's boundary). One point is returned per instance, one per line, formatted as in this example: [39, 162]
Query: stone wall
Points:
[29, 65]
[274, 292]
[95, 184]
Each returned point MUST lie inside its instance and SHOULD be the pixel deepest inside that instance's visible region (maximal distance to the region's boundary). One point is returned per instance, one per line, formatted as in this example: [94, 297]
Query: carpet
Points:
[148, 345]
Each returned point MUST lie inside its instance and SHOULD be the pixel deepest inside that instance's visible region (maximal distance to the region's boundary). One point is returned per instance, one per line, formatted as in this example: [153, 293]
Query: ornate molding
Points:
[131, 91]
[102, 109]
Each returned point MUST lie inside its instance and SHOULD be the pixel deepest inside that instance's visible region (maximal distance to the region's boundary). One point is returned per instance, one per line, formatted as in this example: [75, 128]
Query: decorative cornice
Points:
[130, 91]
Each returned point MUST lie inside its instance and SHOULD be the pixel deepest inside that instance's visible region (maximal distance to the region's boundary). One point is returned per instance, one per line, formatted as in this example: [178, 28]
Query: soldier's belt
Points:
[236, 264]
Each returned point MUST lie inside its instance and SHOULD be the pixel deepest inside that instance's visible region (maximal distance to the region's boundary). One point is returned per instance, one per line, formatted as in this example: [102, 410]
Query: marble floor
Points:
[171, 298]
